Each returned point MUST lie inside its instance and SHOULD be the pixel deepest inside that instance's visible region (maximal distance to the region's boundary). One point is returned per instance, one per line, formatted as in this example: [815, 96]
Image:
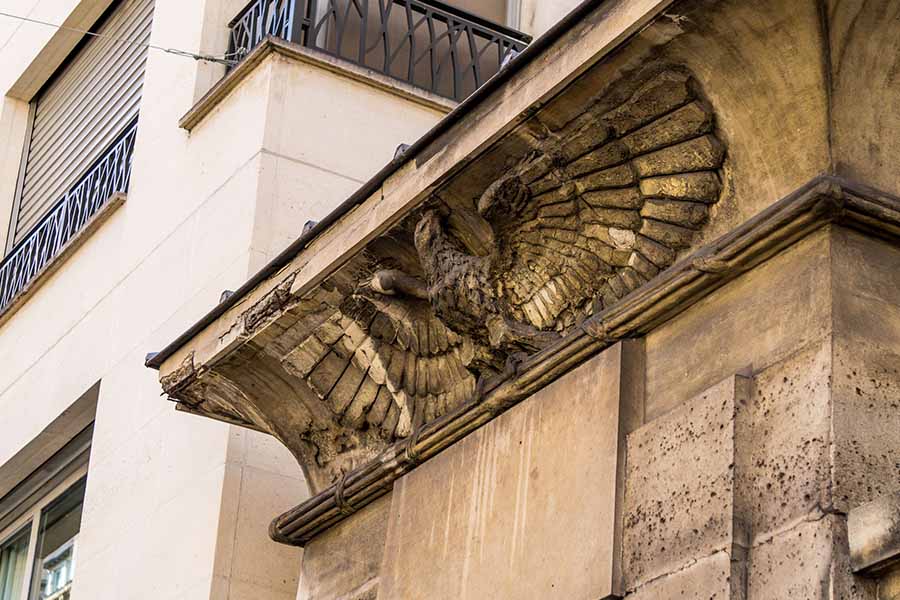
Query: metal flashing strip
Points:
[823, 201]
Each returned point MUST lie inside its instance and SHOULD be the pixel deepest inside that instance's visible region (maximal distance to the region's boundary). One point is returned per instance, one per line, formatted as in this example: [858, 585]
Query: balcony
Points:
[56, 234]
[426, 43]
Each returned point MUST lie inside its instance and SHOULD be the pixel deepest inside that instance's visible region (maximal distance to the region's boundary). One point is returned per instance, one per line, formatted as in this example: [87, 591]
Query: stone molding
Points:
[478, 278]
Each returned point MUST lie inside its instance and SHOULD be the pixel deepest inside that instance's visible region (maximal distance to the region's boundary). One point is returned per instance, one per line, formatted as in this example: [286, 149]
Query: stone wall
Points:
[771, 409]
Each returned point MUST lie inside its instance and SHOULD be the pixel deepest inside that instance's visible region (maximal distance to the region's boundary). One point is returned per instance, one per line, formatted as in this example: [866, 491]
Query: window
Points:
[13, 565]
[80, 145]
[40, 519]
[49, 548]
[82, 111]
[54, 560]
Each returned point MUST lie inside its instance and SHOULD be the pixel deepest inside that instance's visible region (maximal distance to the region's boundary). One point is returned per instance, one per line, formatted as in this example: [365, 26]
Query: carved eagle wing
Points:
[605, 202]
[380, 362]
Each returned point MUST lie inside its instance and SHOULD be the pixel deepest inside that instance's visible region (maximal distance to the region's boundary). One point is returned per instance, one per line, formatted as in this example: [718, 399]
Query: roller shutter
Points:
[84, 110]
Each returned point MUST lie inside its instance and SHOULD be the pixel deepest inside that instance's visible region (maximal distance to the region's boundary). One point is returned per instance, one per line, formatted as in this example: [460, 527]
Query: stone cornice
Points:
[823, 201]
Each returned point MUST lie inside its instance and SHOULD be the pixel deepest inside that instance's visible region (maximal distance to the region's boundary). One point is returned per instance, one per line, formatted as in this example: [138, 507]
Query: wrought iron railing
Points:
[424, 42]
[27, 259]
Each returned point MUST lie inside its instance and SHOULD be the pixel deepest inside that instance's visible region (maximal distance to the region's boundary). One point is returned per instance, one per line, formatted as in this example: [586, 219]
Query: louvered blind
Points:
[82, 112]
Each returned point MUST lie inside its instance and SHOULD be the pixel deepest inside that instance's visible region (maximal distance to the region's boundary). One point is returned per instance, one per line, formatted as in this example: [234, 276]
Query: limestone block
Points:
[344, 561]
[680, 485]
[866, 369]
[789, 451]
[755, 321]
[525, 507]
[709, 578]
[866, 423]
[808, 562]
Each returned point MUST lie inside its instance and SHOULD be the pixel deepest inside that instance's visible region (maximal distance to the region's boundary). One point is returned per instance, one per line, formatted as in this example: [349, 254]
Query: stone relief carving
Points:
[596, 210]
[464, 288]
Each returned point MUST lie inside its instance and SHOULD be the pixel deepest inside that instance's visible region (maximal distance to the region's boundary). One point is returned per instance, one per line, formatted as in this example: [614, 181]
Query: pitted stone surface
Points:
[680, 480]
[707, 579]
[867, 424]
[866, 370]
[790, 444]
[807, 562]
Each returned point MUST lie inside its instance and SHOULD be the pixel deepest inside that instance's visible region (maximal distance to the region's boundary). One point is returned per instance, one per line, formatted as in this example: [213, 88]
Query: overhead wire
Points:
[225, 59]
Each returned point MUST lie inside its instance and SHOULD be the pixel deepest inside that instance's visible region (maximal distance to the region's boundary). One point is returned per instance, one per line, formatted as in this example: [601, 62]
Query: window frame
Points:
[32, 111]
[20, 178]
[10, 534]
[31, 518]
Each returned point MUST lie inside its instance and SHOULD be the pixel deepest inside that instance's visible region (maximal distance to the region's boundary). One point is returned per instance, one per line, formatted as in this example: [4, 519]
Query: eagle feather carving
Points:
[598, 208]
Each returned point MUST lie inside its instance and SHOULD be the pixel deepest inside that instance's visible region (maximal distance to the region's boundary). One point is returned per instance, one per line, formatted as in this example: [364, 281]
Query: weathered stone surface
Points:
[707, 578]
[525, 507]
[866, 423]
[687, 214]
[865, 45]
[789, 448]
[680, 485]
[806, 562]
[866, 370]
[345, 561]
[753, 322]
[698, 154]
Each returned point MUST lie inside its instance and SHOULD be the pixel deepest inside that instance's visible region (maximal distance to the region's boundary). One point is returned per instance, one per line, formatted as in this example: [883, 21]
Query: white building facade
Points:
[172, 148]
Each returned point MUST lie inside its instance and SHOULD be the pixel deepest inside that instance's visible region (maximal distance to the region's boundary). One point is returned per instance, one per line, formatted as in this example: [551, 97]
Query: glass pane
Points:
[13, 557]
[54, 561]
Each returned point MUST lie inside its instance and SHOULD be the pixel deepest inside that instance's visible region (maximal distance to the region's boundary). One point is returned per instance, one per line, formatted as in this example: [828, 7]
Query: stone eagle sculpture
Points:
[585, 213]
[464, 289]
[594, 211]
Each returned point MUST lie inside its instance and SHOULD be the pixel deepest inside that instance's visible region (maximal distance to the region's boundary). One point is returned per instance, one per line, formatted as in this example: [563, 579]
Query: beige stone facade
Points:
[643, 292]
[623, 322]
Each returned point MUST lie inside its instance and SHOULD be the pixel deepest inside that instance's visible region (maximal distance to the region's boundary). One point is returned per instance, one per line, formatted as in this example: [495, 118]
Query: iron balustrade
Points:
[424, 42]
[109, 175]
